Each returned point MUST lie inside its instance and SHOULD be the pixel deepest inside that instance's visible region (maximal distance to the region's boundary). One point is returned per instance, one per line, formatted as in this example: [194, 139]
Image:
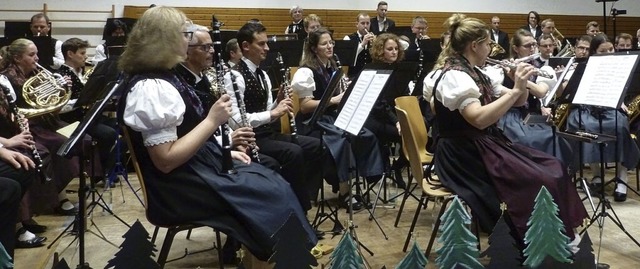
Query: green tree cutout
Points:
[346, 254]
[459, 245]
[545, 233]
[415, 259]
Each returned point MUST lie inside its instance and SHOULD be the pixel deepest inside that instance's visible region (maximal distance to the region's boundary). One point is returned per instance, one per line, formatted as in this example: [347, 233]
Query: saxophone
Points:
[285, 83]
[560, 116]
[24, 126]
[634, 108]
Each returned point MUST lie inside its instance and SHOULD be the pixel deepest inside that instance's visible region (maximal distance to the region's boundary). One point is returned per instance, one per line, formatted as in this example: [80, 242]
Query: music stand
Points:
[554, 62]
[346, 51]
[45, 50]
[355, 107]
[321, 215]
[604, 86]
[17, 29]
[396, 86]
[291, 51]
[324, 101]
[66, 150]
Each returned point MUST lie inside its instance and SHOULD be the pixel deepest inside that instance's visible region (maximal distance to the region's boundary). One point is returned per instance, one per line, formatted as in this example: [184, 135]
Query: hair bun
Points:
[454, 21]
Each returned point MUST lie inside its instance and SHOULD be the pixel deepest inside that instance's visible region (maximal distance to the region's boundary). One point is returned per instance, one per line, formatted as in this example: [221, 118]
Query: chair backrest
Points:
[136, 166]
[409, 143]
[410, 105]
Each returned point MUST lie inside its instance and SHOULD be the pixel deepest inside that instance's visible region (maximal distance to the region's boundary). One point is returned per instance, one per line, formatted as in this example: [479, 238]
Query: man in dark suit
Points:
[499, 36]
[419, 27]
[364, 38]
[533, 26]
[382, 24]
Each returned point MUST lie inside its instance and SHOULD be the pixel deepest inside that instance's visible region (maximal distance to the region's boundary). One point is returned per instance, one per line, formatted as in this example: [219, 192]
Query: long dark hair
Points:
[309, 57]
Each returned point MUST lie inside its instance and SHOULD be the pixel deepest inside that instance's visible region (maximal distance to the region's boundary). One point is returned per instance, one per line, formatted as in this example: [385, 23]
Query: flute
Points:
[514, 64]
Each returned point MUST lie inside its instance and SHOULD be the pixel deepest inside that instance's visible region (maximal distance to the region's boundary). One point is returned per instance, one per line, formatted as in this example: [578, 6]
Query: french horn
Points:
[45, 92]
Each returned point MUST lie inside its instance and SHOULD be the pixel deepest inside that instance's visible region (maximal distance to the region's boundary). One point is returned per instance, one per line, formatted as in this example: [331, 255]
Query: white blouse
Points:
[303, 83]
[155, 109]
[457, 89]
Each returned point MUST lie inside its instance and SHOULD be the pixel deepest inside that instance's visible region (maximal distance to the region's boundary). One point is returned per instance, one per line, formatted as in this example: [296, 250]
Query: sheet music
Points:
[604, 80]
[363, 96]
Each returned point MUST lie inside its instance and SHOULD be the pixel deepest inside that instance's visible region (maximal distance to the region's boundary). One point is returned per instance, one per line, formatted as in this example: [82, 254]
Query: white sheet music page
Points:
[363, 96]
[604, 80]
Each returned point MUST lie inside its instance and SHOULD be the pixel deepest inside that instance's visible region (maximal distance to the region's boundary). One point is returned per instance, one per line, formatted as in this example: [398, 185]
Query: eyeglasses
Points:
[530, 45]
[188, 35]
[203, 47]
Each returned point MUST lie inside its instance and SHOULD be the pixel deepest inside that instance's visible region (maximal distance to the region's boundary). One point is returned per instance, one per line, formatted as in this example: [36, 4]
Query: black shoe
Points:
[595, 187]
[619, 197]
[32, 226]
[66, 212]
[37, 241]
[343, 202]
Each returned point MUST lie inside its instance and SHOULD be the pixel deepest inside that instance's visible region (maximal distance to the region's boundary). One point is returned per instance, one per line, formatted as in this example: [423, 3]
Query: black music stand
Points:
[17, 29]
[45, 50]
[397, 85]
[554, 62]
[346, 50]
[595, 73]
[67, 151]
[359, 99]
[321, 214]
[291, 51]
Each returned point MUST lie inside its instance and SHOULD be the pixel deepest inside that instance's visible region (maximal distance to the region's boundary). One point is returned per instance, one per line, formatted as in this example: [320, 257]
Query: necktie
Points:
[261, 79]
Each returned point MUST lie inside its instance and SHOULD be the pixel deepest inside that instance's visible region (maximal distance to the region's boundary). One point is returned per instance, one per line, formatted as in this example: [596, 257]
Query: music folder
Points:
[324, 101]
[362, 95]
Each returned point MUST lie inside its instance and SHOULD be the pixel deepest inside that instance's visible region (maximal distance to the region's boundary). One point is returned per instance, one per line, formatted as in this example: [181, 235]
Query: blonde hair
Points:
[377, 48]
[9, 53]
[463, 31]
[155, 42]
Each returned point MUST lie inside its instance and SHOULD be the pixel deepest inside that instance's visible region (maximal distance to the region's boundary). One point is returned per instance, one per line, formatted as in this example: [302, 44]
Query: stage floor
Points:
[616, 249]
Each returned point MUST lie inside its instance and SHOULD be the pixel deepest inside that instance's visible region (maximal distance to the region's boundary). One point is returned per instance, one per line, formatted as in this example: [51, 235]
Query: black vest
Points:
[202, 88]
[255, 97]
[361, 59]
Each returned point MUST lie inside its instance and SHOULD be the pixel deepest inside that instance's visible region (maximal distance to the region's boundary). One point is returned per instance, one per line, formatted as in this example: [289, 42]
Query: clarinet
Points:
[344, 81]
[24, 126]
[227, 161]
[285, 84]
[243, 115]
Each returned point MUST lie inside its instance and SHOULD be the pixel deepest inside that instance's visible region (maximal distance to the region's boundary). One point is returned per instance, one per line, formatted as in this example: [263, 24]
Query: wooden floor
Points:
[614, 247]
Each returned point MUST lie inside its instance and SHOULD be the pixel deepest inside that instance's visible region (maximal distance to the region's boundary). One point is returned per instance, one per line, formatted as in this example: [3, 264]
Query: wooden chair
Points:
[171, 230]
[411, 106]
[413, 138]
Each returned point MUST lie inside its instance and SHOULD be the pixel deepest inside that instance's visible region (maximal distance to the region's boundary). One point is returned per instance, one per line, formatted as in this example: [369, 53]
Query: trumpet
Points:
[512, 65]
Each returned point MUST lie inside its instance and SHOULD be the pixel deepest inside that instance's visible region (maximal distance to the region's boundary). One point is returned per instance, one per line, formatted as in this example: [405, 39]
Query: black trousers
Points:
[296, 160]
[13, 184]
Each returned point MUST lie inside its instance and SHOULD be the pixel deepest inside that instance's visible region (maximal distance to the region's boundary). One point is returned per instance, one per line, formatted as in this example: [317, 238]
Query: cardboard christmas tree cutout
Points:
[346, 254]
[414, 259]
[5, 260]
[459, 245]
[136, 250]
[62, 264]
[290, 250]
[502, 250]
[584, 258]
[544, 236]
